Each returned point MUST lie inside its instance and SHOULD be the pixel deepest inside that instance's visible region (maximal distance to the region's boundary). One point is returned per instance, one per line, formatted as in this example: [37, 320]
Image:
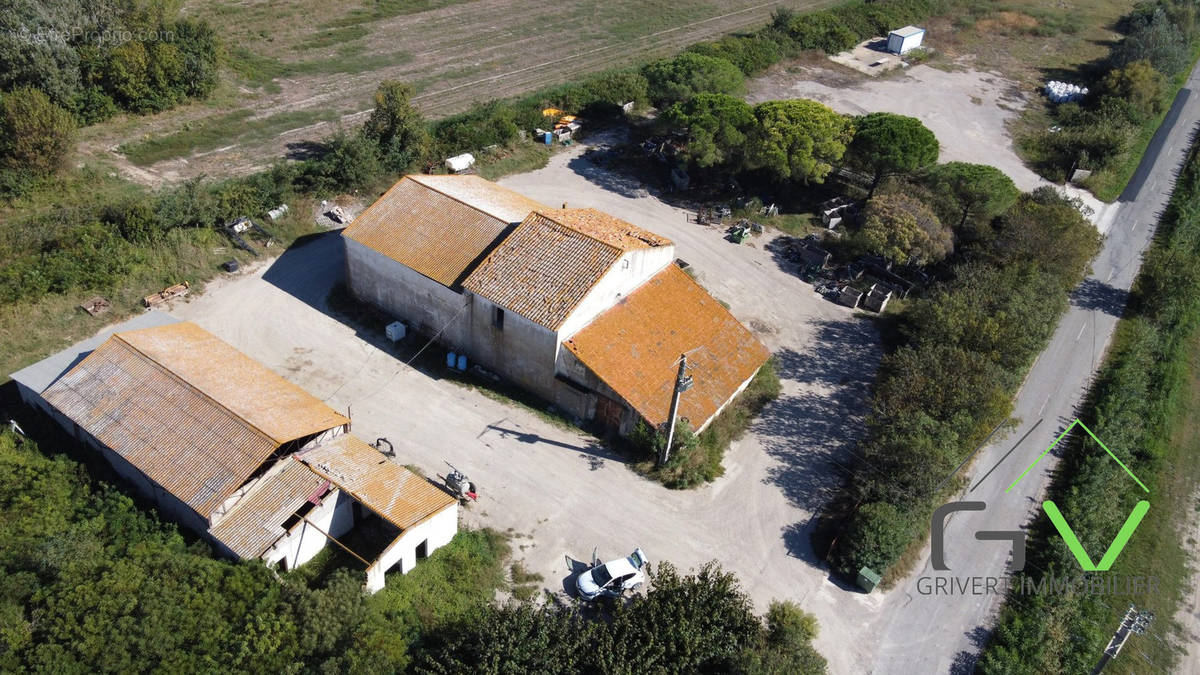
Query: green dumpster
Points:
[868, 579]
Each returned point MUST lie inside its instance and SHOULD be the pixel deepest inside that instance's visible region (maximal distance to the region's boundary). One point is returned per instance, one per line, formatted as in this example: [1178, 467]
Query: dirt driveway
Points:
[559, 491]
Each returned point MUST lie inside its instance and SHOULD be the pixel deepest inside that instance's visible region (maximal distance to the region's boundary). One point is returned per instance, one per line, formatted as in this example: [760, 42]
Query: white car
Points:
[614, 577]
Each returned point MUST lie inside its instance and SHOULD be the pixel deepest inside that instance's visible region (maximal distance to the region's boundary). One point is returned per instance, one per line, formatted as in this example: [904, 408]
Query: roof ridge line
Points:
[199, 391]
[576, 230]
[466, 204]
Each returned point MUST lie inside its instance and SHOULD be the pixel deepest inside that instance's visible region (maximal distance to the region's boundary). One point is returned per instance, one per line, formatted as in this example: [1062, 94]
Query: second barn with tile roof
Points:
[455, 258]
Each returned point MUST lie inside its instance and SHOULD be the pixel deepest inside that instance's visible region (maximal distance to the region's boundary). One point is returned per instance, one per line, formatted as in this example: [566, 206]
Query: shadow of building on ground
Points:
[812, 433]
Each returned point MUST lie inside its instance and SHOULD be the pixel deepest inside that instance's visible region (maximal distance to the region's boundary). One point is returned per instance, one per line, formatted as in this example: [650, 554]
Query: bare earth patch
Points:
[455, 55]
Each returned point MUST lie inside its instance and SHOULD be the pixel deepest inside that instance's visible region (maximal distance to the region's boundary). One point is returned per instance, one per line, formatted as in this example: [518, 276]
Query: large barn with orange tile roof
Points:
[535, 295]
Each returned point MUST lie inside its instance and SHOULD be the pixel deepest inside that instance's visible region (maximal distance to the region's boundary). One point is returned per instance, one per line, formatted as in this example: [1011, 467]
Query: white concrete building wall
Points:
[899, 44]
[335, 515]
[435, 532]
[406, 294]
[522, 351]
[631, 271]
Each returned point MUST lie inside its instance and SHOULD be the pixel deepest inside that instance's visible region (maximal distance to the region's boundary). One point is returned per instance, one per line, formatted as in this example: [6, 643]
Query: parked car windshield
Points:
[601, 576]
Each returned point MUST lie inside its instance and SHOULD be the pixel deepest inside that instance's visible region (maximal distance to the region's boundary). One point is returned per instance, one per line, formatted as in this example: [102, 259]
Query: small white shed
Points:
[904, 39]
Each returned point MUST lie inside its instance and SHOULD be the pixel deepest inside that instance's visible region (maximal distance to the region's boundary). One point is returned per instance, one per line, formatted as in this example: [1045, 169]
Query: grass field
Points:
[312, 66]
[1157, 550]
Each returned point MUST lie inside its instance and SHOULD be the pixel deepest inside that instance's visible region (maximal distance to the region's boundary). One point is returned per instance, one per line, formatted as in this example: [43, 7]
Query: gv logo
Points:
[937, 536]
[1017, 537]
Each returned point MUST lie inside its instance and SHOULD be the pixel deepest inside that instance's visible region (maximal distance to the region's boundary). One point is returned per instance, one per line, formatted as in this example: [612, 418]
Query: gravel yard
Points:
[559, 491]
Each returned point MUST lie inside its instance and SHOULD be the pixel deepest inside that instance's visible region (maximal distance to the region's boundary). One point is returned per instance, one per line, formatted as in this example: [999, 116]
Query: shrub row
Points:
[964, 350]
[1131, 407]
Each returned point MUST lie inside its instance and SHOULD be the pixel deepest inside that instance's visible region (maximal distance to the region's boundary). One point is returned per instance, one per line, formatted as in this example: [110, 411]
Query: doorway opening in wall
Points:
[498, 318]
[423, 550]
[608, 415]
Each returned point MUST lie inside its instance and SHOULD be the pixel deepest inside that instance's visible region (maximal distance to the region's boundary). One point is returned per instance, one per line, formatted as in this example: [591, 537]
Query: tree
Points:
[822, 30]
[952, 385]
[904, 230]
[786, 644]
[1005, 314]
[1158, 41]
[718, 126]
[1046, 229]
[688, 74]
[875, 538]
[969, 192]
[701, 622]
[349, 163]
[396, 126]
[799, 139]
[751, 54]
[885, 144]
[1138, 84]
[35, 133]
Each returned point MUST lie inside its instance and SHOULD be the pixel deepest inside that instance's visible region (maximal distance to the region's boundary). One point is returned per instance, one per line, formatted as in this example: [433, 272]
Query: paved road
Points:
[927, 633]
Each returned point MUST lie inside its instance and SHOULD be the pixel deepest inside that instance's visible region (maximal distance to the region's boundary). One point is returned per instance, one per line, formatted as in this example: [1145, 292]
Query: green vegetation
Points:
[94, 583]
[35, 137]
[696, 458]
[1108, 132]
[904, 230]
[681, 78]
[799, 140]
[718, 127]
[684, 624]
[962, 352]
[93, 59]
[1143, 406]
[886, 144]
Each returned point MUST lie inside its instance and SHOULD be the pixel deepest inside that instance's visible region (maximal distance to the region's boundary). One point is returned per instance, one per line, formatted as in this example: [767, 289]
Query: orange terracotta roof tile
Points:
[634, 348]
[398, 495]
[188, 410]
[543, 270]
[608, 229]
[439, 225]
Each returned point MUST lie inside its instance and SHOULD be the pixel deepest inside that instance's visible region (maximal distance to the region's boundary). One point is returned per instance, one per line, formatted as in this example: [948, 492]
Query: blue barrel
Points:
[462, 361]
[450, 360]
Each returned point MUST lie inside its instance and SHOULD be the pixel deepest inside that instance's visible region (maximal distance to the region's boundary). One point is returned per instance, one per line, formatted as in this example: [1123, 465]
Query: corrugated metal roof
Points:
[256, 522]
[634, 348]
[398, 495]
[608, 229]
[542, 270]
[440, 226]
[188, 410]
[45, 372]
[250, 390]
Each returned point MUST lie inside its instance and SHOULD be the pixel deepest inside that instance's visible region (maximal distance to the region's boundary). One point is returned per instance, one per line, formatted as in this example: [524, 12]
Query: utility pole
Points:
[682, 384]
[1134, 622]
